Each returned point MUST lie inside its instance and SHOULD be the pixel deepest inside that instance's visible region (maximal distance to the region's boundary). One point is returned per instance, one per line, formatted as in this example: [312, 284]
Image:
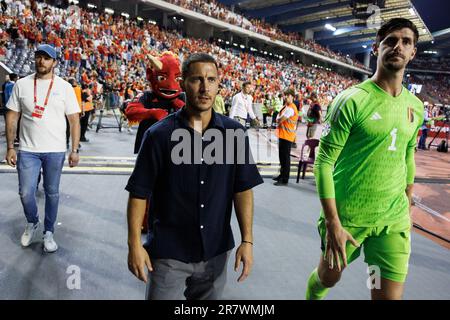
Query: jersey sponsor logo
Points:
[376, 116]
[326, 130]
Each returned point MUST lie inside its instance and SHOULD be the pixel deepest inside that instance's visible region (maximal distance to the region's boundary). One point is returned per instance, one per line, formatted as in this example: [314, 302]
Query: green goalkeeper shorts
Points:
[387, 247]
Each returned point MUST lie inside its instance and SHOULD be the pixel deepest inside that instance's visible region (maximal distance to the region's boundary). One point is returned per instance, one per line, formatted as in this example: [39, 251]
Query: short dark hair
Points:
[13, 76]
[246, 83]
[194, 58]
[290, 92]
[396, 24]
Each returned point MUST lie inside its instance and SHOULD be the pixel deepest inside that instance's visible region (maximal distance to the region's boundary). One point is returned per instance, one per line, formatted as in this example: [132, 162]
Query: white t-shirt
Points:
[47, 134]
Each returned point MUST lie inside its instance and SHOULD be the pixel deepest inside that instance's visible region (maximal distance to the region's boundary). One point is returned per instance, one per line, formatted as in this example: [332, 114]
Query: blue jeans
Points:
[29, 166]
[423, 139]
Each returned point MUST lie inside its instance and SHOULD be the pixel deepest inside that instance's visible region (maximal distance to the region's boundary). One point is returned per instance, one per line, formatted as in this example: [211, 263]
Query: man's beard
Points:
[395, 66]
[45, 72]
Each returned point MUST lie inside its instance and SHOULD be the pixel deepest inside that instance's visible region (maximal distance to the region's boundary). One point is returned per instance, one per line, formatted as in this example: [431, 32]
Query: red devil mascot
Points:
[165, 98]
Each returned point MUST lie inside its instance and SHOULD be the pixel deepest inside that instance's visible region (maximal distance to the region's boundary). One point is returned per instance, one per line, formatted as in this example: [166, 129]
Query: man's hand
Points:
[137, 260]
[245, 254]
[11, 157]
[337, 238]
[255, 123]
[74, 158]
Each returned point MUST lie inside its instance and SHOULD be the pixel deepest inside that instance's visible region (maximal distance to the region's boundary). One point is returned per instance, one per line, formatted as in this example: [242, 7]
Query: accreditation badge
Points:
[38, 112]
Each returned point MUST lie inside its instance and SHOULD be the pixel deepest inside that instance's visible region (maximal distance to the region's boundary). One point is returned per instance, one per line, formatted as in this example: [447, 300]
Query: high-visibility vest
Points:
[277, 104]
[287, 129]
[266, 106]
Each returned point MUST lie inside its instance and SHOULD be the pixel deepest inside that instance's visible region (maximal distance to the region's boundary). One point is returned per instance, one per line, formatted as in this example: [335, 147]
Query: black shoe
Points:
[276, 178]
[280, 183]
[83, 139]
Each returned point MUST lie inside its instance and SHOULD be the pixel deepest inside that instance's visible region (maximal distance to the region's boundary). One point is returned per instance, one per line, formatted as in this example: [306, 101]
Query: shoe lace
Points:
[28, 229]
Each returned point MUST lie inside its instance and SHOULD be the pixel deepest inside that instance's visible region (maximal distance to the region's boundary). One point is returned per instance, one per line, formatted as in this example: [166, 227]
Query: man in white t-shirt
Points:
[43, 99]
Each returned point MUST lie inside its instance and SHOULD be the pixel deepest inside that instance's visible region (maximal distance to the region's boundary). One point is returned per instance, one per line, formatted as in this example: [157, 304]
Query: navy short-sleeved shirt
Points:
[191, 203]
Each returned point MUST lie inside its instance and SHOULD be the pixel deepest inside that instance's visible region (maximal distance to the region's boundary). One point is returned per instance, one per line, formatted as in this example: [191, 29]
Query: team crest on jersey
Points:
[326, 129]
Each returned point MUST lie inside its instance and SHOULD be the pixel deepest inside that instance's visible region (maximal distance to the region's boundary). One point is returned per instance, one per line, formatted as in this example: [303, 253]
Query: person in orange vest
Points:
[286, 132]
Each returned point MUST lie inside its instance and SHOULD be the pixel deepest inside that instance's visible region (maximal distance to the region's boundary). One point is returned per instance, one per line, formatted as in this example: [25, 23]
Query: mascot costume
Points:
[166, 97]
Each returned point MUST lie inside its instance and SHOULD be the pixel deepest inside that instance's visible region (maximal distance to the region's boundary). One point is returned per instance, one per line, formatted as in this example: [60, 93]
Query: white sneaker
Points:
[28, 235]
[49, 243]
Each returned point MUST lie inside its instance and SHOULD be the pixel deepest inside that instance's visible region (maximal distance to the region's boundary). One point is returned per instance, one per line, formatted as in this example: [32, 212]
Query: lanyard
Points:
[48, 92]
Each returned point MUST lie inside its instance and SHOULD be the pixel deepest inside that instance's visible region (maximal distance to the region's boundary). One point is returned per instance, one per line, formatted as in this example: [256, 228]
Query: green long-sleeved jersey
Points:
[366, 154]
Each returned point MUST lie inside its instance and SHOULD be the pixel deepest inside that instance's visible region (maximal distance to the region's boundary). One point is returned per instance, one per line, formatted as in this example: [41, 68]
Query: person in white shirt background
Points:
[241, 105]
[43, 99]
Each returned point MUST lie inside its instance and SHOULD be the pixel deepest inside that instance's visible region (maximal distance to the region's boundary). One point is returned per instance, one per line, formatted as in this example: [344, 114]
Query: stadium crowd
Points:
[431, 63]
[219, 11]
[100, 50]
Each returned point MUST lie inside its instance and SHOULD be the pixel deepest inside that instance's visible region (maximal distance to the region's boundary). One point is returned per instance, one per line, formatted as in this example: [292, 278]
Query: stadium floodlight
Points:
[432, 41]
[292, 53]
[139, 19]
[152, 22]
[109, 10]
[412, 11]
[174, 18]
[281, 57]
[91, 6]
[364, 46]
[182, 20]
[227, 42]
[242, 46]
[330, 27]
[235, 44]
[298, 61]
[265, 52]
[124, 14]
[75, 2]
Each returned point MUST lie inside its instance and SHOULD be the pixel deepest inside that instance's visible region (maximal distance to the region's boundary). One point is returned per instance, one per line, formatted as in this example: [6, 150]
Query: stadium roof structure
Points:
[355, 22]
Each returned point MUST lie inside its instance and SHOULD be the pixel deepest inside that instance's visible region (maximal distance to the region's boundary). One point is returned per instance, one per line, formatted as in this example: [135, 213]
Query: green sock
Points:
[315, 290]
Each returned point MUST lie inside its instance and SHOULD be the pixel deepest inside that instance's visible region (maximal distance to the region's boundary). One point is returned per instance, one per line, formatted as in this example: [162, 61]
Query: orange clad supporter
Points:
[77, 90]
[85, 79]
[39, 37]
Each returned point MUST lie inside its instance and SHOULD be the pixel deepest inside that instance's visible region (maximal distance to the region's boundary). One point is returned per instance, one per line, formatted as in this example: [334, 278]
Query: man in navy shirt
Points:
[192, 183]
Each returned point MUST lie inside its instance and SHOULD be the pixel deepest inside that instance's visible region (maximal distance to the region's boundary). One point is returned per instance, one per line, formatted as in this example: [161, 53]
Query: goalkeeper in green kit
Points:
[365, 170]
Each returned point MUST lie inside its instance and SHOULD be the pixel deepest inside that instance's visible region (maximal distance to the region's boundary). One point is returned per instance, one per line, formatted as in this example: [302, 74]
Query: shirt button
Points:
[202, 205]
[201, 227]
[202, 182]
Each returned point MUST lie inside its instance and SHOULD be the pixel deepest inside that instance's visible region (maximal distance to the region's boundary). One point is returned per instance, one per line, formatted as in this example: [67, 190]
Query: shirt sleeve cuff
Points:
[138, 191]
